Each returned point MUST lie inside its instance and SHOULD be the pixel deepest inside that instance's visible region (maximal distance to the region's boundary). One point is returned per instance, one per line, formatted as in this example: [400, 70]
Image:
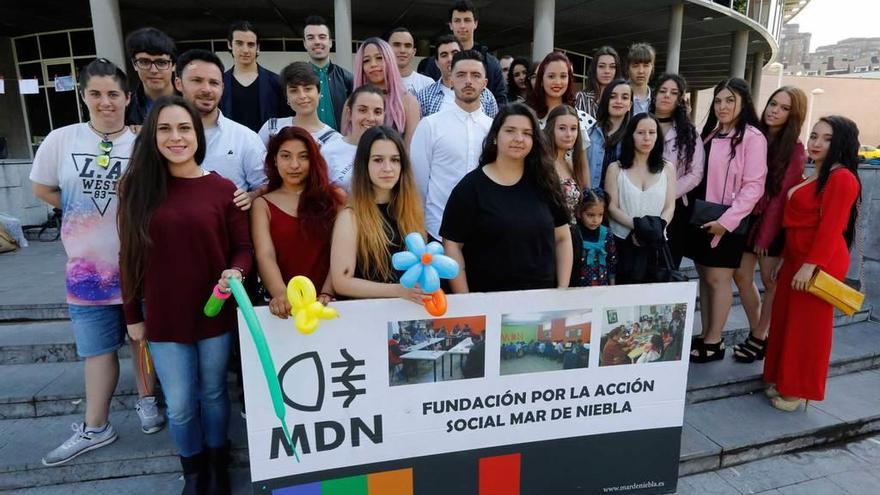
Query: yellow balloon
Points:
[306, 310]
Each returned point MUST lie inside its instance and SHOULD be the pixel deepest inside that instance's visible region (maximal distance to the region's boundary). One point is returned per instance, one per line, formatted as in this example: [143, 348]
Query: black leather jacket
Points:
[341, 82]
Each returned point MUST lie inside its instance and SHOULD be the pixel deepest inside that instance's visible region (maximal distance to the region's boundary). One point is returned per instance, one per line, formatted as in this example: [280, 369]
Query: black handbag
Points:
[664, 270]
[707, 211]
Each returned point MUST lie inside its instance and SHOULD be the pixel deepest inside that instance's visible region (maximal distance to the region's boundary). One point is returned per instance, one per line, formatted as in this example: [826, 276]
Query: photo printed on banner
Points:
[432, 350]
[642, 334]
[545, 341]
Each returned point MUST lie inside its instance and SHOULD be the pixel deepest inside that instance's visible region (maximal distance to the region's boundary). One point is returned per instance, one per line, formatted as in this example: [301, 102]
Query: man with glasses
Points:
[153, 55]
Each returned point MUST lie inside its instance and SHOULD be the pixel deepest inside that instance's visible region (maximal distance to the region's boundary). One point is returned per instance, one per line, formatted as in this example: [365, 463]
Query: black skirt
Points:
[728, 253]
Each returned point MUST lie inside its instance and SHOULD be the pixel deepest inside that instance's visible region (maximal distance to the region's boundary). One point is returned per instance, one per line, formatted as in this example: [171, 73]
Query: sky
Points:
[833, 20]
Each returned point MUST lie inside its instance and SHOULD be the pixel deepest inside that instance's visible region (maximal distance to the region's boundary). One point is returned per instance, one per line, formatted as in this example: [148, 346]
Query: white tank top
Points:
[637, 203]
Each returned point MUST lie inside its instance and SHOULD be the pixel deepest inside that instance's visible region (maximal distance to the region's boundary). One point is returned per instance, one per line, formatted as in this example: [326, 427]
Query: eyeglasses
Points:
[146, 63]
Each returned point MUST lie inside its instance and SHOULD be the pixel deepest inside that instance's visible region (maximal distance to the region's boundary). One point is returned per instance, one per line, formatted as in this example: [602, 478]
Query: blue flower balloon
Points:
[422, 264]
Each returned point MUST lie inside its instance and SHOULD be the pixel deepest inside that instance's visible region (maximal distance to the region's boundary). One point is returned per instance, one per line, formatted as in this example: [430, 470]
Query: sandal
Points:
[750, 350]
[708, 352]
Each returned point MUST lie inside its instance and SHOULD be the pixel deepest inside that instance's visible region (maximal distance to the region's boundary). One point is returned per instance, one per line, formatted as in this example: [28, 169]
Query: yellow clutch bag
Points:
[835, 292]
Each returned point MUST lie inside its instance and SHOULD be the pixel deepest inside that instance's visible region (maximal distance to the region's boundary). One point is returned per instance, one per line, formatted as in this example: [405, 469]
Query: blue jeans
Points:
[193, 378]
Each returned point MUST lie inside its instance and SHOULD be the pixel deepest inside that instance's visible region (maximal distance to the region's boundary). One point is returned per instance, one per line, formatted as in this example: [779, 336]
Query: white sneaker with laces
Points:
[80, 442]
[148, 412]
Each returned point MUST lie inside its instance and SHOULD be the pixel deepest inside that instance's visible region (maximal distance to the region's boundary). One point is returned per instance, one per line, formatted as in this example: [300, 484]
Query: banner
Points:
[531, 392]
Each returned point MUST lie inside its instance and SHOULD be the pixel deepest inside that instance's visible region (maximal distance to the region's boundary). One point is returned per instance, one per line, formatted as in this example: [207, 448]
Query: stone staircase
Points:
[727, 420]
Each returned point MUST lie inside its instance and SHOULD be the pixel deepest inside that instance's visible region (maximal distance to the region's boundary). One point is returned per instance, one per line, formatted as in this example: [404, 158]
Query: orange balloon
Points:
[436, 305]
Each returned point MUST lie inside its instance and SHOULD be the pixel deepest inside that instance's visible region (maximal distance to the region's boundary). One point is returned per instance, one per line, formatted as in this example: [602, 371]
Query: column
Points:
[676, 21]
[757, 74]
[738, 53]
[544, 22]
[107, 29]
[695, 93]
[342, 27]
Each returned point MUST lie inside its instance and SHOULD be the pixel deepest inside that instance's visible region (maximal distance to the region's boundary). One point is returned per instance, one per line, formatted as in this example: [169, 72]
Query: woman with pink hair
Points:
[375, 64]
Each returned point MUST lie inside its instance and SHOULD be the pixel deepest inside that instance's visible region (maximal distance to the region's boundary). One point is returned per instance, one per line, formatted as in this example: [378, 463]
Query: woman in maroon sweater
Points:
[781, 123]
[179, 232]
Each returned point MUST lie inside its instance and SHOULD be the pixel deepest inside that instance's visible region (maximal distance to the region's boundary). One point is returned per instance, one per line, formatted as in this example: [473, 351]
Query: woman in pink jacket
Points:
[781, 122]
[736, 167]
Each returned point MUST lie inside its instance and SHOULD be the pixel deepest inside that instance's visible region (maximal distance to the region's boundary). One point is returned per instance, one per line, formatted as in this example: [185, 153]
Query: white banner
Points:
[387, 382]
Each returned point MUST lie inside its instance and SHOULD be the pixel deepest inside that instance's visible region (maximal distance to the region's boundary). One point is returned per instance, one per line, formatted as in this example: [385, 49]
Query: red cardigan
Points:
[771, 208]
[196, 233]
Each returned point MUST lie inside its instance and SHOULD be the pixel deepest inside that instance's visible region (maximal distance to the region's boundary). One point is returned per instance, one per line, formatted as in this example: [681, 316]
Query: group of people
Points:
[572, 354]
[215, 178]
[644, 341]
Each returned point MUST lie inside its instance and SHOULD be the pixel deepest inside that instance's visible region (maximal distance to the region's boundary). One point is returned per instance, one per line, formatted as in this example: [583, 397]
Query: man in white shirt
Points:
[448, 144]
[232, 150]
[404, 46]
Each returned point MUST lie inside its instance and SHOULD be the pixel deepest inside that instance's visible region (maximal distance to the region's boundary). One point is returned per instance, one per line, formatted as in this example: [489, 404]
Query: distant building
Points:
[794, 46]
[849, 56]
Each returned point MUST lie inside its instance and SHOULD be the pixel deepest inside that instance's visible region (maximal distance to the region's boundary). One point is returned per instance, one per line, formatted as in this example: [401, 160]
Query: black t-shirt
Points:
[507, 232]
[395, 244]
[246, 104]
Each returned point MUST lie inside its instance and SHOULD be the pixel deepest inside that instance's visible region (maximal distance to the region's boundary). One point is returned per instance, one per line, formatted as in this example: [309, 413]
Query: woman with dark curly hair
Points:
[682, 148]
[519, 87]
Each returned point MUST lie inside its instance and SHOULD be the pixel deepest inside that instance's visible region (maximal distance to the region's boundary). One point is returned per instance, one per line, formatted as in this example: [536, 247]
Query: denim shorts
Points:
[97, 329]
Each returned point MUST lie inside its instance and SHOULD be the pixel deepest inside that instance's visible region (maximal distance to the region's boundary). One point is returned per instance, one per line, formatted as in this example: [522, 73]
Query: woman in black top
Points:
[384, 207]
[506, 222]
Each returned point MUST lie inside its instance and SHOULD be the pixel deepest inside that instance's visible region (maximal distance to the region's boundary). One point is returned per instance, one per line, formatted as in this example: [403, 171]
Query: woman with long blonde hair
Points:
[384, 207]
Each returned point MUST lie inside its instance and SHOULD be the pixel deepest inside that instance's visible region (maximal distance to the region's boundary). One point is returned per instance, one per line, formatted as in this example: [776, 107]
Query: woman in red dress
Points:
[292, 223]
[820, 219]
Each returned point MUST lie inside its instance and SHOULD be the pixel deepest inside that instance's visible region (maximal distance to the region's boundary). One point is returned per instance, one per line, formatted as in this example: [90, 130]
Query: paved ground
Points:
[849, 469]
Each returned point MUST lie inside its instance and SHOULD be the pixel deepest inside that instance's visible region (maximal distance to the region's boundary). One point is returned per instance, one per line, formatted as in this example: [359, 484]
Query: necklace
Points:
[105, 146]
[665, 120]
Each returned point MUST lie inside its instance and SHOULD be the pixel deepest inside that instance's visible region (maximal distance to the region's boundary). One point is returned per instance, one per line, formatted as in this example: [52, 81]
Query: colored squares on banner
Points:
[399, 482]
[499, 475]
[355, 485]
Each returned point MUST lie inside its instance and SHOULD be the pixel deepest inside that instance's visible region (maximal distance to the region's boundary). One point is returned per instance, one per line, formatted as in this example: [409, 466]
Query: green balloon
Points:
[259, 338]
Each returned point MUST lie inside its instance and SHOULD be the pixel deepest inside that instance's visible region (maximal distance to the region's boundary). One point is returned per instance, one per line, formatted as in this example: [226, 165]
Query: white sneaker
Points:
[148, 412]
[82, 441]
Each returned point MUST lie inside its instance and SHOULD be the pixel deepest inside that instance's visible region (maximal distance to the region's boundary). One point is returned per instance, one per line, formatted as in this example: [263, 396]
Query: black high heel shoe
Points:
[750, 350]
[708, 352]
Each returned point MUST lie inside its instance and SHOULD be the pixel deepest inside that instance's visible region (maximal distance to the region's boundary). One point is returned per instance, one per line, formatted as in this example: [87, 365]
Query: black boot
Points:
[194, 475]
[218, 471]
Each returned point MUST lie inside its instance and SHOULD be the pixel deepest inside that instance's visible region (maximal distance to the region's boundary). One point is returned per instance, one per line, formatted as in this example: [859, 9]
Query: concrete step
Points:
[23, 442]
[166, 483]
[32, 283]
[52, 341]
[40, 342]
[53, 389]
[735, 430]
[855, 347]
[716, 434]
